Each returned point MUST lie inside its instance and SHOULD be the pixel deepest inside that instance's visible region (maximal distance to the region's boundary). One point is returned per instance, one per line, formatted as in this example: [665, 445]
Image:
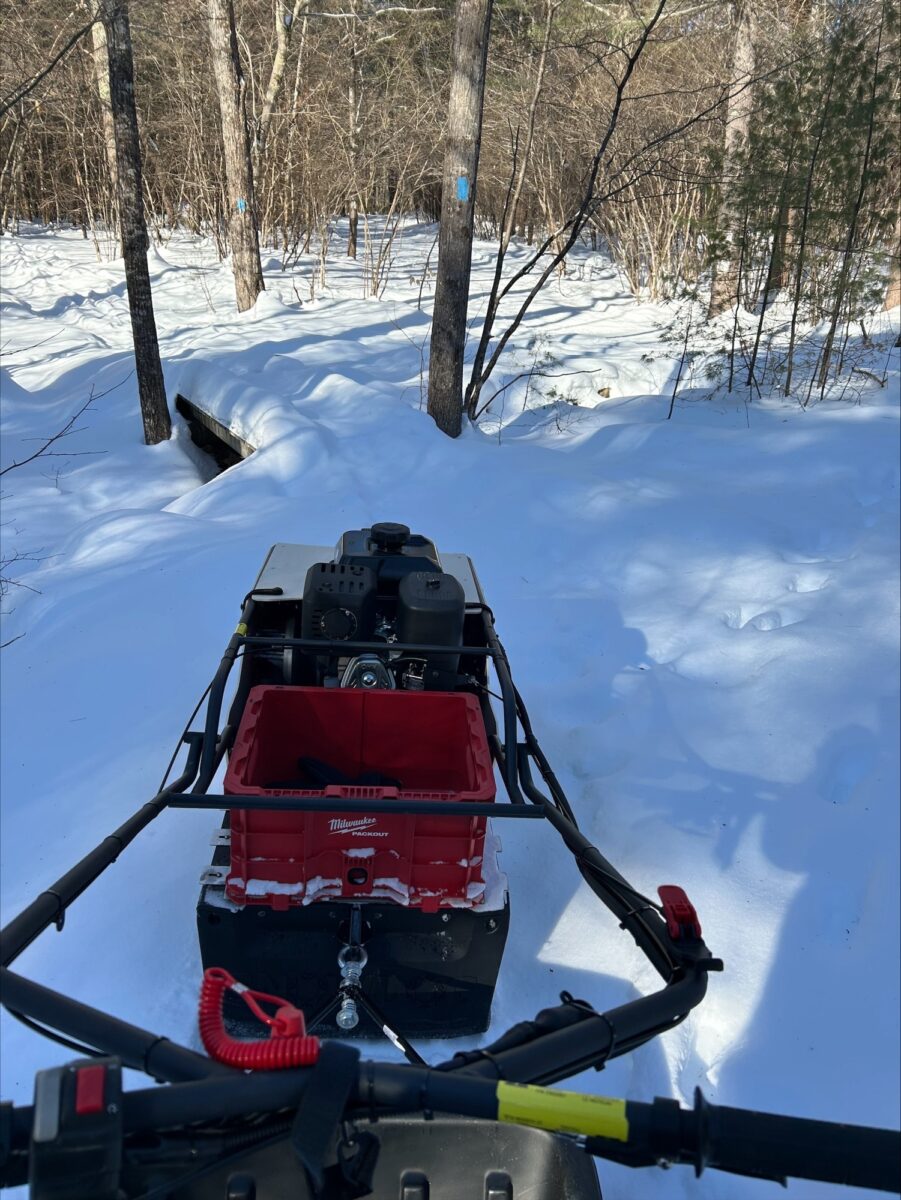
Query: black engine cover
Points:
[391, 551]
[430, 610]
[339, 602]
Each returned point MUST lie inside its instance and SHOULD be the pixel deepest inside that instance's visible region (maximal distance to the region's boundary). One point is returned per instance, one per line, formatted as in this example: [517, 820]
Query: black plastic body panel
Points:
[417, 554]
[339, 601]
[430, 610]
[446, 1158]
[431, 974]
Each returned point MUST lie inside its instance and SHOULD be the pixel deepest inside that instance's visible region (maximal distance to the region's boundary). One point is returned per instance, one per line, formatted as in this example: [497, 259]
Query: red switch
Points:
[89, 1082]
[679, 913]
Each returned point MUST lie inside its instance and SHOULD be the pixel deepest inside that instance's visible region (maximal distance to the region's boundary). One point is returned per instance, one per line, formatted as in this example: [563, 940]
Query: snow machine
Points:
[363, 694]
[355, 870]
[355, 889]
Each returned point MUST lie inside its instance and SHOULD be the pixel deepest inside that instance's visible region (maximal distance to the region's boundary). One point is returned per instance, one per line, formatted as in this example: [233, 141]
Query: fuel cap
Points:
[388, 535]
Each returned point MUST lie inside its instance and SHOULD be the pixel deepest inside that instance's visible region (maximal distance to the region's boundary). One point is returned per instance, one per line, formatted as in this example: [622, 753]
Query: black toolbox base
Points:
[431, 974]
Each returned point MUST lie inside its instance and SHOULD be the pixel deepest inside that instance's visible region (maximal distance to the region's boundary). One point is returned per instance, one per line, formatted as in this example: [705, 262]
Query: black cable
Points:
[51, 1035]
[259, 1140]
[614, 890]
[616, 885]
[559, 796]
[182, 735]
[483, 688]
[184, 732]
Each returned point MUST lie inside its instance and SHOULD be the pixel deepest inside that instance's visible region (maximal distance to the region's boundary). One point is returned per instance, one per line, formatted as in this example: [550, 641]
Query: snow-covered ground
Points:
[702, 614]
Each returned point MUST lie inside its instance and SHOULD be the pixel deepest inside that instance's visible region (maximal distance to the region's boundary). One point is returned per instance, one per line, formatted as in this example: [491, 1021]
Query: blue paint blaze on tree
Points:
[462, 188]
[241, 204]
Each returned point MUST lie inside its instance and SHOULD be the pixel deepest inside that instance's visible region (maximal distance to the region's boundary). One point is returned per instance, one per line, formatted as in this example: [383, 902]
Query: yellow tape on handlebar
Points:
[562, 1112]
[241, 629]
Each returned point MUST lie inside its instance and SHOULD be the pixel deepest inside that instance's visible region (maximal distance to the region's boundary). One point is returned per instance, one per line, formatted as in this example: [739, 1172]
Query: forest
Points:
[374, 354]
[740, 155]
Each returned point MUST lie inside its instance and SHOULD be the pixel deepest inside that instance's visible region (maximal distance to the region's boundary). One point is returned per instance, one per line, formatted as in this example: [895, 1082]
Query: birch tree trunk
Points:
[101, 75]
[285, 20]
[243, 234]
[353, 129]
[724, 281]
[893, 291]
[148, 368]
[461, 162]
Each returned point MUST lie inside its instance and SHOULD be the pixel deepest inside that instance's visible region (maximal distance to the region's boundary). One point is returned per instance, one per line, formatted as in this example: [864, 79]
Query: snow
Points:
[701, 613]
[268, 887]
[389, 887]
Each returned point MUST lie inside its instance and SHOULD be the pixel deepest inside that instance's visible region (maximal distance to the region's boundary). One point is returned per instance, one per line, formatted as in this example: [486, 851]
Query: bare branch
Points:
[13, 98]
[44, 450]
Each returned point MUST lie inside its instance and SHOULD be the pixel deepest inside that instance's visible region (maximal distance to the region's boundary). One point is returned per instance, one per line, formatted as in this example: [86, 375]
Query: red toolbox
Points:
[419, 745]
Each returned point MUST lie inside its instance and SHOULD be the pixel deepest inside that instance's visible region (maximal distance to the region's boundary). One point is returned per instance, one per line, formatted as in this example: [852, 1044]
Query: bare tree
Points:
[461, 164]
[563, 238]
[723, 285]
[893, 291]
[354, 104]
[101, 75]
[149, 370]
[243, 234]
[285, 22]
[13, 98]
[853, 223]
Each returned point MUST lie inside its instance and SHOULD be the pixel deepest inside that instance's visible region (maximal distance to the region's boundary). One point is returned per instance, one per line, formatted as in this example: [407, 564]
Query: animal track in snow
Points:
[764, 620]
[810, 582]
[774, 613]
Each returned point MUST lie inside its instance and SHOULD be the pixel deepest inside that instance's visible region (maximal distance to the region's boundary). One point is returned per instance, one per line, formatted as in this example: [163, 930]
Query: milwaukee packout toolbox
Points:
[347, 743]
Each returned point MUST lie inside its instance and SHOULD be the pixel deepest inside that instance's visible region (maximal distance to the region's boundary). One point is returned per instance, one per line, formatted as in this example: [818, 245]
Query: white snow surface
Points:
[269, 887]
[702, 614]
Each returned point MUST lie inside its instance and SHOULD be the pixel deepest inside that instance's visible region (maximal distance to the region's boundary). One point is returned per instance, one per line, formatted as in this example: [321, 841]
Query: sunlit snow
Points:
[702, 614]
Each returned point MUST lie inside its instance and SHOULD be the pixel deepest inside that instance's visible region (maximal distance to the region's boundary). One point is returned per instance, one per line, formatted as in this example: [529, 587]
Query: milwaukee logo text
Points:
[361, 825]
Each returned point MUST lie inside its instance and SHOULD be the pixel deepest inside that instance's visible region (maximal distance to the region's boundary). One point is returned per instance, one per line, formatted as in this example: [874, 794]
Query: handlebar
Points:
[761, 1145]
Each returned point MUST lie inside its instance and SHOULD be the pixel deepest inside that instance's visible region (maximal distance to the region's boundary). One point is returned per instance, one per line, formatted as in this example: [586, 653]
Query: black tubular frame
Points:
[576, 1038]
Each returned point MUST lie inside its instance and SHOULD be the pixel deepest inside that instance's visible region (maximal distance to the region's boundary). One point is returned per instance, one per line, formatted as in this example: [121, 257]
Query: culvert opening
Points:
[211, 436]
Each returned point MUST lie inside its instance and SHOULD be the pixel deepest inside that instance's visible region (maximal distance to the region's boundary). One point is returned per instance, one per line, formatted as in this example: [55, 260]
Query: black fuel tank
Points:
[390, 550]
[430, 610]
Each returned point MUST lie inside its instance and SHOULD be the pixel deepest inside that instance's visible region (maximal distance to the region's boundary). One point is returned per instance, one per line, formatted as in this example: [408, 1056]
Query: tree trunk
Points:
[724, 280]
[844, 270]
[353, 227]
[148, 368]
[774, 263]
[353, 115]
[461, 162]
[285, 20]
[101, 74]
[243, 234]
[802, 224]
[893, 292]
[515, 196]
[11, 166]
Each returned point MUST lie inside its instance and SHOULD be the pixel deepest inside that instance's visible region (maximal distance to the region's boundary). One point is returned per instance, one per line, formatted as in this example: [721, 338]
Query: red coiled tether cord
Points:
[288, 1045]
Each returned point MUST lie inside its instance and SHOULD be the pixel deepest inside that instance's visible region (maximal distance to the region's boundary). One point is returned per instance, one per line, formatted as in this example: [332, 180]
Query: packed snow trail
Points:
[701, 613]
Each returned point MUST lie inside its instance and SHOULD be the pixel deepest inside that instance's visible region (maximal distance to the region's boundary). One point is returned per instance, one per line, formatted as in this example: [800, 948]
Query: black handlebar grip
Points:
[775, 1147]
